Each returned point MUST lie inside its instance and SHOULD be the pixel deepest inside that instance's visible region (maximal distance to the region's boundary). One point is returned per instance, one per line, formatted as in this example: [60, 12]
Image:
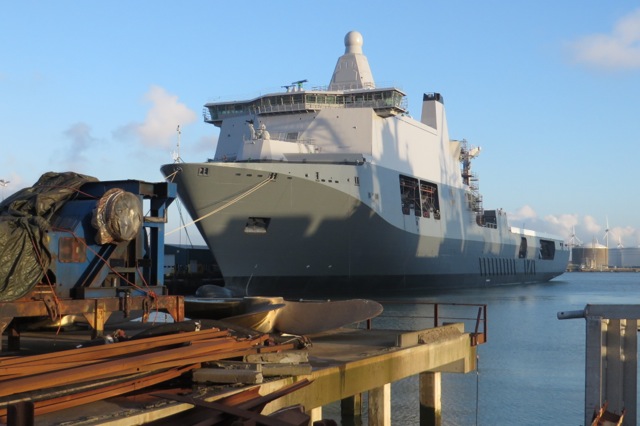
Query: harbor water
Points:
[531, 370]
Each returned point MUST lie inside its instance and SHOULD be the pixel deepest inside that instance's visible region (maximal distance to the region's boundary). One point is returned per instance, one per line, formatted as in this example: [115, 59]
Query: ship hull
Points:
[329, 230]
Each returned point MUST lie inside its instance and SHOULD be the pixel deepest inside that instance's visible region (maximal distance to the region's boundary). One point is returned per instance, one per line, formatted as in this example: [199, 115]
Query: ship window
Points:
[257, 225]
[429, 199]
[410, 195]
[523, 248]
[356, 180]
[547, 249]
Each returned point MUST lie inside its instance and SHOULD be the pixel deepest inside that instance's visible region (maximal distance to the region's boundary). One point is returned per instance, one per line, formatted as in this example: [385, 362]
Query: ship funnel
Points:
[432, 109]
[352, 70]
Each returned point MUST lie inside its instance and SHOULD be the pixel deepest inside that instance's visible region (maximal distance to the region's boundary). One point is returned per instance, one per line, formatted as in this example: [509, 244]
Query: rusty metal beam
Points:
[96, 311]
[107, 351]
[128, 365]
[97, 394]
[38, 308]
[244, 411]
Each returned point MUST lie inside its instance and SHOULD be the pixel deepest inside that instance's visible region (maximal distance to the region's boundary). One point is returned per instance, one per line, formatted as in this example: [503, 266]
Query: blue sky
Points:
[550, 90]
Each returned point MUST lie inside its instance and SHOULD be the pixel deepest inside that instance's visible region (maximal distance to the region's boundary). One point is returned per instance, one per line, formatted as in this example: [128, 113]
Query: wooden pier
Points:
[346, 364]
[352, 362]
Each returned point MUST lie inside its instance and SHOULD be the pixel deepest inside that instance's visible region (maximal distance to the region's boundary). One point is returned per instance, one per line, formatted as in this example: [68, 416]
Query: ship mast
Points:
[468, 177]
[176, 153]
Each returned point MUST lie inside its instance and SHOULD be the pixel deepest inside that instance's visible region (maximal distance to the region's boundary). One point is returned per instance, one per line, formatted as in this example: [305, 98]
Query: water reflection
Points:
[531, 370]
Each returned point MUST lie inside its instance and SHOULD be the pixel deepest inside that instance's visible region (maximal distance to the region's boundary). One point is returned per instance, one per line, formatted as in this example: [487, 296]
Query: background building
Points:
[188, 267]
[597, 257]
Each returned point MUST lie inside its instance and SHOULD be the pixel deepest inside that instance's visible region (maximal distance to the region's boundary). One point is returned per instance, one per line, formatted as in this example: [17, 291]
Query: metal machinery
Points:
[98, 253]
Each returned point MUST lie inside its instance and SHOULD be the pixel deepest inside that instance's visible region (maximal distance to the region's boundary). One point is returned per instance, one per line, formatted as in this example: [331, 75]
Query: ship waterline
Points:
[340, 192]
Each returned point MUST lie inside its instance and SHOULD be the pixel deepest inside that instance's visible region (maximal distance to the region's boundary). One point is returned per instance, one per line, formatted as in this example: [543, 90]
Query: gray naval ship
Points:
[337, 191]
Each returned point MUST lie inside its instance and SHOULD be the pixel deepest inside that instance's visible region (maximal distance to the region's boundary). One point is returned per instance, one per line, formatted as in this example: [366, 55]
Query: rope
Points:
[182, 222]
[172, 175]
[227, 204]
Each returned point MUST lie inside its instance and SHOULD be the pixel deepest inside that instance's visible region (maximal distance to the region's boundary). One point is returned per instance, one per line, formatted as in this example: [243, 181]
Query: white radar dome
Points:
[353, 42]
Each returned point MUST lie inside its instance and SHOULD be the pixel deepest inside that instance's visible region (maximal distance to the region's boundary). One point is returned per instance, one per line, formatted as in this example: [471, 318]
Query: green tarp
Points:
[24, 221]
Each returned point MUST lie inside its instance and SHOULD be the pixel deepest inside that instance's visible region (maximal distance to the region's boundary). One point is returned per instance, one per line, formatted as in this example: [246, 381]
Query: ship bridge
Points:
[385, 102]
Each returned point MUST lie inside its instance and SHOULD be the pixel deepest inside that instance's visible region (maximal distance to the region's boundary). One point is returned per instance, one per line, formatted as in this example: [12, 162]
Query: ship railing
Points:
[316, 106]
[415, 315]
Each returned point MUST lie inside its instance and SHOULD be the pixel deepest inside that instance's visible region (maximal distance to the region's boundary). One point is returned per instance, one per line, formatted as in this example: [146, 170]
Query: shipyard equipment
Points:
[73, 245]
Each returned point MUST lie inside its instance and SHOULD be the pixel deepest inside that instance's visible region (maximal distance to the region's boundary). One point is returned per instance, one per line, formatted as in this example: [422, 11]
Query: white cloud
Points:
[524, 213]
[626, 236]
[591, 226]
[206, 144]
[81, 140]
[567, 221]
[618, 50]
[159, 128]
[575, 228]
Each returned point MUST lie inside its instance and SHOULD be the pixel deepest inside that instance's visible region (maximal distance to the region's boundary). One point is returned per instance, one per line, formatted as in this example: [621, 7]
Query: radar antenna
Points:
[295, 86]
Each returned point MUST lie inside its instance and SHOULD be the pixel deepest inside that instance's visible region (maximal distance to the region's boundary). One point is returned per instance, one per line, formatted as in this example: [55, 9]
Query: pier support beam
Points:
[315, 414]
[611, 362]
[430, 399]
[445, 349]
[611, 366]
[380, 406]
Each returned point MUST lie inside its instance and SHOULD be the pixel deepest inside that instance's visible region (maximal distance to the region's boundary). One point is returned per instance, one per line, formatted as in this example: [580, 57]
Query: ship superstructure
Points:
[338, 191]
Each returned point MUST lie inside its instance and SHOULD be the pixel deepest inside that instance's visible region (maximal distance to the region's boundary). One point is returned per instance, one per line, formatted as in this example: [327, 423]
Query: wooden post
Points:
[13, 339]
[315, 414]
[4, 323]
[380, 406]
[20, 414]
[593, 366]
[430, 399]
